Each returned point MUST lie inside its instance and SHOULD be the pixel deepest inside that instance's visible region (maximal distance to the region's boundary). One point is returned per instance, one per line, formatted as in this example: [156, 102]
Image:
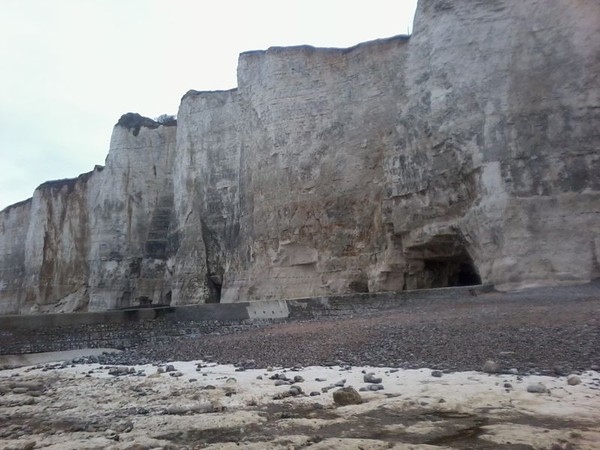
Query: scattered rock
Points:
[229, 391]
[537, 388]
[295, 390]
[371, 378]
[347, 396]
[490, 367]
[19, 390]
[201, 408]
[28, 385]
[436, 373]
[566, 446]
[169, 368]
[124, 426]
[281, 395]
[279, 376]
[298, 379]
[245, 365]
[111, 434]
[137, 446]
[119, 371]
[28, 445]
[573, 380]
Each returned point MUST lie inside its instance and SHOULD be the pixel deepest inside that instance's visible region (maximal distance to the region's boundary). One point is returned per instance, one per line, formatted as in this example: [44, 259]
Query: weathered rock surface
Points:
[466, 153]
[347, 396]
[498, 150]
[99, 241]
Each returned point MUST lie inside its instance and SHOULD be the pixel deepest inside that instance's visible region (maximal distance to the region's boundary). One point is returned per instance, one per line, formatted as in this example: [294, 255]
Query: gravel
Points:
[518, 333]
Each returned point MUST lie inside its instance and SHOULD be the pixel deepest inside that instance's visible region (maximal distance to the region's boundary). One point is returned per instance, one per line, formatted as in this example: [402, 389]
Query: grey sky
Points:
[70, 68]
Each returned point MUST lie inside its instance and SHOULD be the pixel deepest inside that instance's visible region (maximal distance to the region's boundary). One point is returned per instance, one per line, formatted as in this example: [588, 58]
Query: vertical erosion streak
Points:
[214, 266]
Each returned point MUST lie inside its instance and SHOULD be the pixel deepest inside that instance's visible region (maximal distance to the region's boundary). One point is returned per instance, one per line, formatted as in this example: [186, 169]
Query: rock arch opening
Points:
[443, 261]
[458, 270]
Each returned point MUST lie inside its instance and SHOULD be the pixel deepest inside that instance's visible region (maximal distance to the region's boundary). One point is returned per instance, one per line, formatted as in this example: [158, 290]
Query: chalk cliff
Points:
[466, 153]
[98, 241]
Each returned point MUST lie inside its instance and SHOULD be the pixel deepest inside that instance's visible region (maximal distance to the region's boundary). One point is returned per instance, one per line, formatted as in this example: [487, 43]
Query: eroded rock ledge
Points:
[468, 153]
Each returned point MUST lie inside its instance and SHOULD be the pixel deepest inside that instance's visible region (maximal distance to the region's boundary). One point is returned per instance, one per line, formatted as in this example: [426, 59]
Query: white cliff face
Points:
[131, 205]
[468, 153]
[500, 143]
[56, 247]
[312, 175]
[14, 222]
[206, 180]
[96, 242]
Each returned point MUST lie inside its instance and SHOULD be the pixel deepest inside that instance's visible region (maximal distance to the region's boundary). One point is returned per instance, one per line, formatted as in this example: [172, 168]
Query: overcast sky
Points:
[70, 68]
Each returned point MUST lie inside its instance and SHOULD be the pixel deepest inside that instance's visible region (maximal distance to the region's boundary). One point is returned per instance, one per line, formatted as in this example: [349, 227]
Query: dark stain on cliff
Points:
[134, 122]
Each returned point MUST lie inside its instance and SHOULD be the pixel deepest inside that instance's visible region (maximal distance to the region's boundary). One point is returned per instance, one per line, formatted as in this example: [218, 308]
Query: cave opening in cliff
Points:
[215, 286]
[468, 275]
[451, 271]
[446, 261]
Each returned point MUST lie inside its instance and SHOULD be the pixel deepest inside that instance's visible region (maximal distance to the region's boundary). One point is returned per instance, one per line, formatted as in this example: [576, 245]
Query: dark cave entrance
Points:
[144, 300]
[468, 275]
[442, 260]
[452, 271]
[215, 285]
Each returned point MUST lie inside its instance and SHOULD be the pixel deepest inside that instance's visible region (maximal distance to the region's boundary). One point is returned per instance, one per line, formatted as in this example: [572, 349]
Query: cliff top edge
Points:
[401, 38]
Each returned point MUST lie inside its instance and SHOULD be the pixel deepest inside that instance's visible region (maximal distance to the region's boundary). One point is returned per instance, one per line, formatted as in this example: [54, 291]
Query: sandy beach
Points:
[197, 404]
